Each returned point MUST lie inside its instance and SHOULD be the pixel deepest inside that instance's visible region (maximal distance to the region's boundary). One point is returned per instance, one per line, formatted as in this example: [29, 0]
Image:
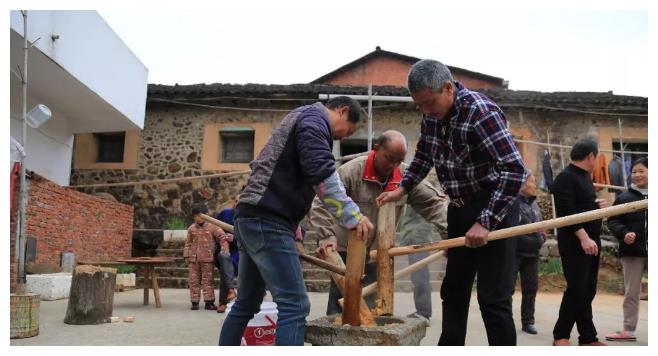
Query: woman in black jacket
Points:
[631, 231]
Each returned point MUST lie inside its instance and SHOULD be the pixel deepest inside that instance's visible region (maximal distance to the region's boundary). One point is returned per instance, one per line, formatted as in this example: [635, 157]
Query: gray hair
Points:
[428, 74]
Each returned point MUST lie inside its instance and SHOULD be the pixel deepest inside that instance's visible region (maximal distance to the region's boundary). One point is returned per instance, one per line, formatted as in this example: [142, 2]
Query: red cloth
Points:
[600, 174]
[369, 174]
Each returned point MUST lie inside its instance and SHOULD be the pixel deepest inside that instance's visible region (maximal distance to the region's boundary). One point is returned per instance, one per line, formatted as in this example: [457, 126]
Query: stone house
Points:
[195, 130]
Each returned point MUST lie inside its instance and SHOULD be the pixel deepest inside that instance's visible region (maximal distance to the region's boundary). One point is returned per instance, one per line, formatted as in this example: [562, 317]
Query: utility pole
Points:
[21, 222]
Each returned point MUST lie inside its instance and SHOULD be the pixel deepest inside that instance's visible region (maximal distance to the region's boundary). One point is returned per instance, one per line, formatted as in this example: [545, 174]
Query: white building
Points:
[85, 74]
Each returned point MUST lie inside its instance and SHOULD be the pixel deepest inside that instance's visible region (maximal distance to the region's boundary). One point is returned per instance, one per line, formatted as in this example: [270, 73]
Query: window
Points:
[110, 146]
[237, 145]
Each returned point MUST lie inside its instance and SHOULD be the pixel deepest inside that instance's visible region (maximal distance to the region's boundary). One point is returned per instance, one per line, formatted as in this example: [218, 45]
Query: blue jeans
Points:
[268, 257]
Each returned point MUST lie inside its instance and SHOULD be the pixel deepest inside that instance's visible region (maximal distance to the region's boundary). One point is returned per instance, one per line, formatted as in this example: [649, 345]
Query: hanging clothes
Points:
[600, 174]
[628, 166]
[616, 174]
[547, 176]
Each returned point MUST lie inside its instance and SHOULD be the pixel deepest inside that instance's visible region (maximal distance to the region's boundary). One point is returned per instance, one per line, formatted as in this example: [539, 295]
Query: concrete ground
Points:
[175, 324]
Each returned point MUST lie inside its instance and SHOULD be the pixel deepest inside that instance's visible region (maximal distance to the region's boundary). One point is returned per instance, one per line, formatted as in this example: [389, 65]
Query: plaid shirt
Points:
[471, 149]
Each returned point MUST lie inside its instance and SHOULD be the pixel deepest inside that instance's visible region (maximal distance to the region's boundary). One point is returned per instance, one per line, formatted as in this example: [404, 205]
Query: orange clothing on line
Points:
[600, 174]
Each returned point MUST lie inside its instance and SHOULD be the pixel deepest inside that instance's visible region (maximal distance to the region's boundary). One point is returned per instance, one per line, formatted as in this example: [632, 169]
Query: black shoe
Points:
[210, 305]
[195, 306]
[529, 328]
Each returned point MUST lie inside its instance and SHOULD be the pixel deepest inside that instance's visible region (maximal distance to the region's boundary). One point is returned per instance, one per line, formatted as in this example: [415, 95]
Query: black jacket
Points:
[574, 193]
[297, 157]
[636, 222]
[529, 245]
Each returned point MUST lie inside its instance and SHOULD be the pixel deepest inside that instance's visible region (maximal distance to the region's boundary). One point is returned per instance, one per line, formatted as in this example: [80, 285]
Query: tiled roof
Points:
[605, 101]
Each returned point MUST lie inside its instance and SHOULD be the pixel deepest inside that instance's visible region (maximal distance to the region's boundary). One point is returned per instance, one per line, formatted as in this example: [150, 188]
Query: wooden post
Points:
[356, 258]
[92, 295]
[154, 285]
[528, 228]
[364, 313]
[147, 283]
[385, 269]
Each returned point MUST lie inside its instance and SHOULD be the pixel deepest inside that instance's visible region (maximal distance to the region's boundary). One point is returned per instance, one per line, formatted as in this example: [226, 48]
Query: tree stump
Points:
[92, 295]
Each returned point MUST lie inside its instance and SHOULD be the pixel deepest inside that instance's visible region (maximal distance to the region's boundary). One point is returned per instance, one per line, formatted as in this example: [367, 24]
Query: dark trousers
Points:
[334, 294]
[226, 274]
[528, 268]
[581, 272]
[494, 266]
[422, 286]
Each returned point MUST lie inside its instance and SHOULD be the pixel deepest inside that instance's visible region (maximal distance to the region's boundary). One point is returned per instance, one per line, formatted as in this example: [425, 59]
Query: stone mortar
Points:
[389, 331]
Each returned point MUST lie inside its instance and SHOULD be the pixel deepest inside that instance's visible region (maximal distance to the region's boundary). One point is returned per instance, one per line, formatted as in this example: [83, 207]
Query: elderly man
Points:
[296, 164]
[365, 178]
[464, 136]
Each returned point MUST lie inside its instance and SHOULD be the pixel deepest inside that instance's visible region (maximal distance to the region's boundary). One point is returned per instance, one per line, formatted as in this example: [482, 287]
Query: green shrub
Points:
[126, 269]
[552, 265]
[177, 224]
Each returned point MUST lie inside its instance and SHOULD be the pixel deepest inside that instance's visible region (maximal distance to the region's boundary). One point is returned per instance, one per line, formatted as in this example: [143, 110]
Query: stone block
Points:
[50, 286]
[174, 235]
[126, 279]
[389, 331]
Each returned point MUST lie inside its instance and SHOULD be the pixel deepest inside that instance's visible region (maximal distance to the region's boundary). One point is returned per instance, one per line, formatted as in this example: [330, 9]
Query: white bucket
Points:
[261, 330]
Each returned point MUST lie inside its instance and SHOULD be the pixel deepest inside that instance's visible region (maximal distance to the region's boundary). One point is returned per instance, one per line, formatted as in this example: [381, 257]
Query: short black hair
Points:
[199, 209]
[643, 161]
[583, 148]
[355, 108]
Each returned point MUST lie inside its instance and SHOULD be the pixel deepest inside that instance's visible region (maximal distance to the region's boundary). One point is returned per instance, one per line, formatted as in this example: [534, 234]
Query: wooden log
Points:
[528, 228]
[92, 295]
[385, 269]
[324, 264]
[369, 289]
[334, 258]
[308, 258]
[226, 227]
[356, 258]
[601, 185]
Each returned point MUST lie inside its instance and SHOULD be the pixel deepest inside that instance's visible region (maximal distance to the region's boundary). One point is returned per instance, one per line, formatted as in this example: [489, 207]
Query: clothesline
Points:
[569, 147]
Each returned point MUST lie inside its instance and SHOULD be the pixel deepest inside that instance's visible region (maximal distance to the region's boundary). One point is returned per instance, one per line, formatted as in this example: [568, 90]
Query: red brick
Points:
[64, 220]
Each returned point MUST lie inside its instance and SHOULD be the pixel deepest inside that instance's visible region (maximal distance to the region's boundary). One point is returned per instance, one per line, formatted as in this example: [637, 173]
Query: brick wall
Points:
[389, 71]
[64, 220]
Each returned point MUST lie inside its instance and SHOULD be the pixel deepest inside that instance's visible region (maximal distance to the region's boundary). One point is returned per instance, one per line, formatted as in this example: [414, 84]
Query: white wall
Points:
[49, 148]
[89, 79]
[89, 50]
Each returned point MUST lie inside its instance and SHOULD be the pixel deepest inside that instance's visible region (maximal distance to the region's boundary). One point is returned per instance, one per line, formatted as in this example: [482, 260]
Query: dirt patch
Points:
[610, 281]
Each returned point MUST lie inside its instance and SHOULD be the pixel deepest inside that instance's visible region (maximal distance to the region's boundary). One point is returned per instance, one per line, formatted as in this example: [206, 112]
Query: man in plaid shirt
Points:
[464, 136]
